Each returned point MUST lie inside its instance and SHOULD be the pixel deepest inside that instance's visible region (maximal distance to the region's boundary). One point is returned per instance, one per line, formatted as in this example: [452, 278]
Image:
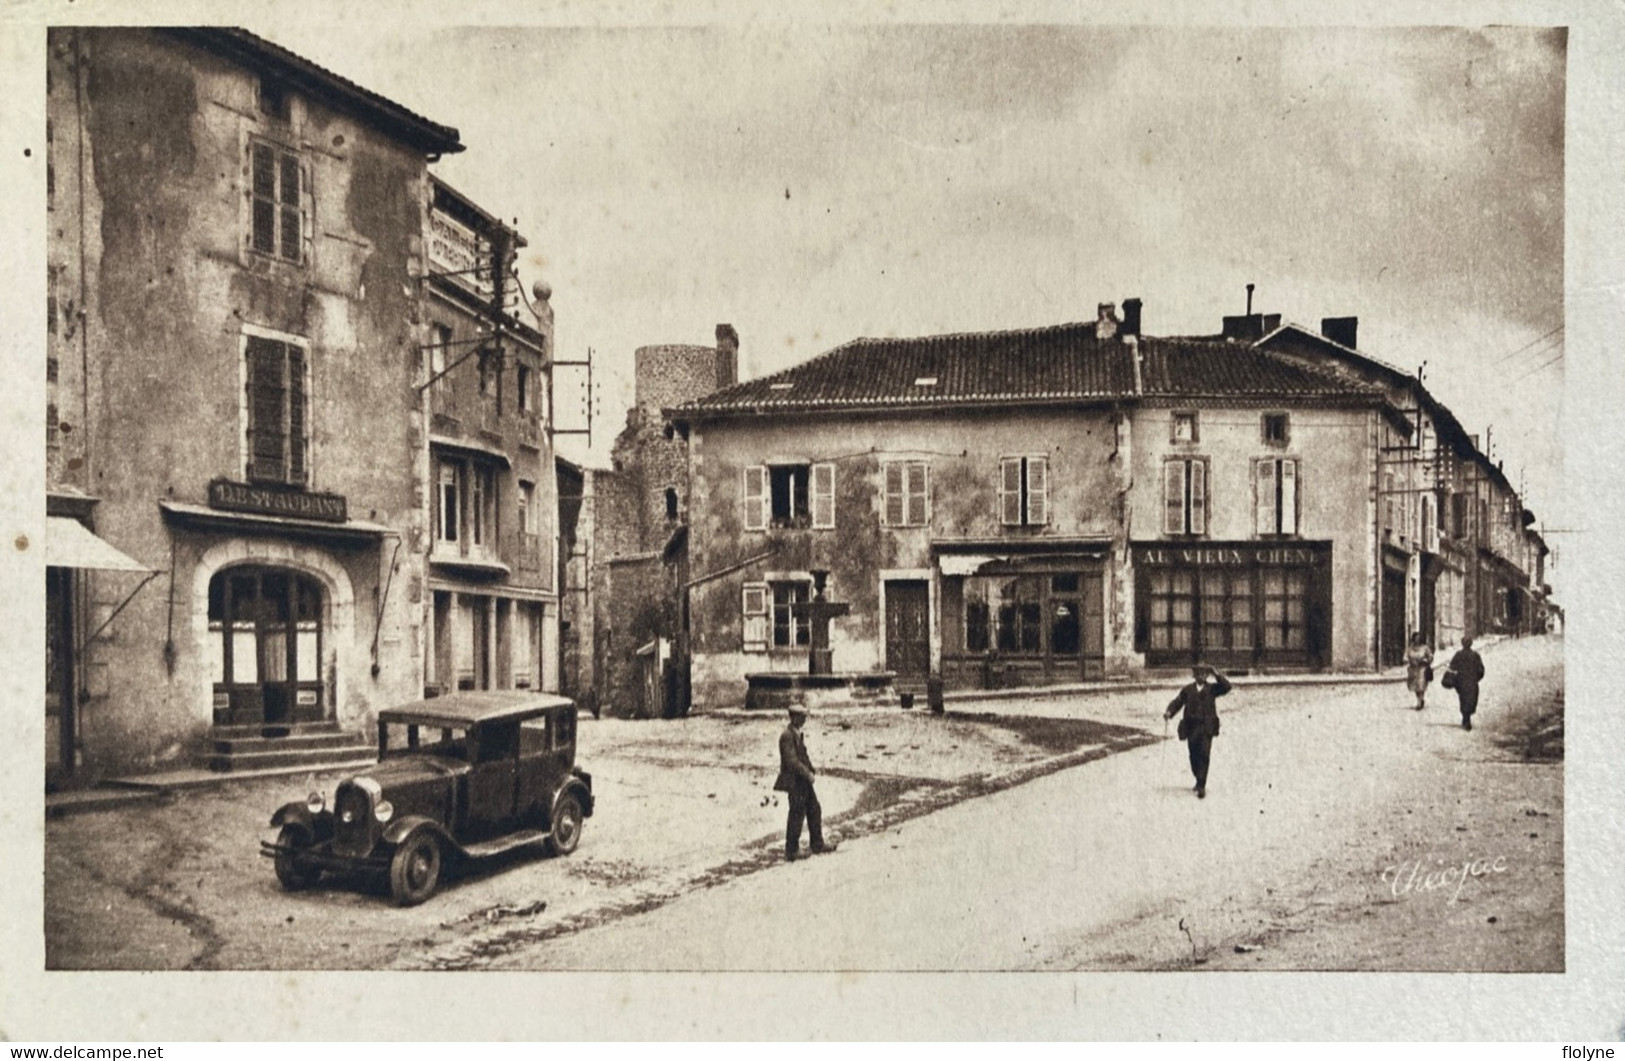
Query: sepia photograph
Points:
[861, 495]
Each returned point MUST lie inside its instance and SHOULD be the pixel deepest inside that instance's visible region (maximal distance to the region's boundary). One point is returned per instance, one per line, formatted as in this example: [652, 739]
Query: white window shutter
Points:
[917, 494]
[823, 496]
[1198, 497]
[754, 608]
[1289, 497]
[1010, 490]
[1173, 495]
[1037, 490]
[894, 495]
[755, 498]
[1264, 482]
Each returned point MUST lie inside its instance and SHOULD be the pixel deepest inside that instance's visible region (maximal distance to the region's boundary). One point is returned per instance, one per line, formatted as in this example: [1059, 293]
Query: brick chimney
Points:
[727, 356]
[1131, 317]
[1341, 330]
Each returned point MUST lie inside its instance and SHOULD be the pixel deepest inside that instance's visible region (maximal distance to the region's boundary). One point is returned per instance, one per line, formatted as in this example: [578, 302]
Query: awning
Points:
[68, 543]
[964, 563]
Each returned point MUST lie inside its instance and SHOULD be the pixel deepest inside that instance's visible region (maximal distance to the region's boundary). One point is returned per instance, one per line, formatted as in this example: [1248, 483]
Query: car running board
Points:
[502, 844]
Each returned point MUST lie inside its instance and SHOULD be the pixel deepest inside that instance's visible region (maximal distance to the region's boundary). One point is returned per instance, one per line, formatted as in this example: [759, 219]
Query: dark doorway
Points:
[1392, 639]
[59, 686]
[908, 629]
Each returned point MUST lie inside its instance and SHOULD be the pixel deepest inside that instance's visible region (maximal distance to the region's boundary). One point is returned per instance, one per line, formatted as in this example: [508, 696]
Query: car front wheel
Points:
[293, 873]
[566, 825]
[414, 871]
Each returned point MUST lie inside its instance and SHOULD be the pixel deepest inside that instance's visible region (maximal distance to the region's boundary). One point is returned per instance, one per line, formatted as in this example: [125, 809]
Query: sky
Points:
[812, 184]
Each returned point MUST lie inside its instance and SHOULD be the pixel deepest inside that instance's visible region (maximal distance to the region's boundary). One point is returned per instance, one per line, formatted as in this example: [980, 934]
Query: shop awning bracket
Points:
[106, 622]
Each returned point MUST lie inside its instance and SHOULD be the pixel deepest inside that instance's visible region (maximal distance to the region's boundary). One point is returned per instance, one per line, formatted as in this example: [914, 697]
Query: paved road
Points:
[1053, 873]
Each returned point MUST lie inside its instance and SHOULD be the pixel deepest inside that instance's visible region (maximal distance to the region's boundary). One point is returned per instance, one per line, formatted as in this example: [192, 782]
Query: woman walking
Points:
[1419, 667]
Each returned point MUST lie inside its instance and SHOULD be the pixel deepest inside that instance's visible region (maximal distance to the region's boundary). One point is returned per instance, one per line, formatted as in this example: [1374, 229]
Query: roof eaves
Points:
[241, 46]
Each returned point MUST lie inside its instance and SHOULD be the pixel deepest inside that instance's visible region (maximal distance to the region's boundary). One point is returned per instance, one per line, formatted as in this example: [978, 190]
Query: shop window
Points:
[789, 495]
[1183, 426]
[1275, 482]
[1024, 491]
[1277, 429]
[1284, 592]
[278, 399]
[1020, 616]
[1185, 498]
[906, 492]
[1172, 611]
[278, 204]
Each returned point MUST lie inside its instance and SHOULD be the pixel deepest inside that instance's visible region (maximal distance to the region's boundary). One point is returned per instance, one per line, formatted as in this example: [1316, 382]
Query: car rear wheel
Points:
[566, 825]
[414, 871]
[291, 871]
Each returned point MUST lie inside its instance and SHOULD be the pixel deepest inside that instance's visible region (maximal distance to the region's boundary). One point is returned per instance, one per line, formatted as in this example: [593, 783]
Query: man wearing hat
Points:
[1201, 722]
[796, 780]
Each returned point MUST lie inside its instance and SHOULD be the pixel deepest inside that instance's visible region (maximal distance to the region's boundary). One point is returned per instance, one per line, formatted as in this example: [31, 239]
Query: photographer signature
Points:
[1405, 877]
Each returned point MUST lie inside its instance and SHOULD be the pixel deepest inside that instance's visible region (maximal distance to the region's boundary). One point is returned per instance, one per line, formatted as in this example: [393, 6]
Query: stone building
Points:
[1043, 506]
[240, 337]
[640, 511]
[493, 576]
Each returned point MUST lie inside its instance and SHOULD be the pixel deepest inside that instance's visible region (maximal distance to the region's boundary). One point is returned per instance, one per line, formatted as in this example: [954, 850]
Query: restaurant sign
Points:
[459, 253]
[276, 501]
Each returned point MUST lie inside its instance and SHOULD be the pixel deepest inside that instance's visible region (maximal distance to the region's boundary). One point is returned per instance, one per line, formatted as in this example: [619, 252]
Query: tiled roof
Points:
[1202, 367]
[257, 52]
[1059, 364]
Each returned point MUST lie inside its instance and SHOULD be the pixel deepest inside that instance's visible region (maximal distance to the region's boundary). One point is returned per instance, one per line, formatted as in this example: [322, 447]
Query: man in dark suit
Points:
[1201, 722]
[1469, 668]
[796, 780]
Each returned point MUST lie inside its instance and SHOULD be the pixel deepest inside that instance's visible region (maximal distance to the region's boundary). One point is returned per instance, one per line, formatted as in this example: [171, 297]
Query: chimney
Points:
[727, 356]
[1106, 322]
[1131, 317]
[1341, 330]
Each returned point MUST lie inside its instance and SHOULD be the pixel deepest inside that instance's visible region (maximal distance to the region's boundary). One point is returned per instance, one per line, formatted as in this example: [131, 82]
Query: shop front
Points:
[1235, 605]
[1024, 619]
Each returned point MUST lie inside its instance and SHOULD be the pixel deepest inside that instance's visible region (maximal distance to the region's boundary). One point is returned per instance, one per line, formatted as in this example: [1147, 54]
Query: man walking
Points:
[1468, 667]
[1201, 722]
[796, 780]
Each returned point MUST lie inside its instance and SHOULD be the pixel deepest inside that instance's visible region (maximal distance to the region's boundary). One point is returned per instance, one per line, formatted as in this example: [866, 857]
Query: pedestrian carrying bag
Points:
[1449, 679]
[1427, 673]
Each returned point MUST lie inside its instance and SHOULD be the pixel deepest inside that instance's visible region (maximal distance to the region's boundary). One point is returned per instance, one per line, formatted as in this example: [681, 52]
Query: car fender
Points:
[316, 826]
[397, 832]
[582, 790]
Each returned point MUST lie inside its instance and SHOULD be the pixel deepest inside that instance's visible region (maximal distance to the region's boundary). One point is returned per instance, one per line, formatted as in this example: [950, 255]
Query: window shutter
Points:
[1289, 497]
[894, 501]
[823, 496]
[917, 494]
[754, 608]
[1010, 490]
[1173, 493]
[262, 180]
[1198, 497]
[1264, 481]
[297, 470]
[1038, 490]
[755, 498]
[267, 432]
[289, 199]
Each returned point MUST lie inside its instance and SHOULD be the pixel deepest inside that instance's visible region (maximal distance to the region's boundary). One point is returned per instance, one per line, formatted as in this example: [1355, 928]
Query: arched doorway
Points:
[265, 644]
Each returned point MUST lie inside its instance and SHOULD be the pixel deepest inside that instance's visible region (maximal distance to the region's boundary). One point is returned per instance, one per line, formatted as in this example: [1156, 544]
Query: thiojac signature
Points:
[1436, 875]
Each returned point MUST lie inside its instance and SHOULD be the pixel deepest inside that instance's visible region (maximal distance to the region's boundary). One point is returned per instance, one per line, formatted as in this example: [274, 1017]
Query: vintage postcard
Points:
[1029, 524]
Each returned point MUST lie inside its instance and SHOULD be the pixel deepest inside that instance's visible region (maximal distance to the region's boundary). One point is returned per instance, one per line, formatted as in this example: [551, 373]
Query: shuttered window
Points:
[1276, 494]
[1024, 491]
[1184, 489]
[754, 498]
[823, 496]
[277, 404]
[754, 607]
[905, 494]
[276, 188]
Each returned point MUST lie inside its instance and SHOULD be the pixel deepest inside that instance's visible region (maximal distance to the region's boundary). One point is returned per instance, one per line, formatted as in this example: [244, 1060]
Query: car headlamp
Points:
[314, 803]
[384, 811]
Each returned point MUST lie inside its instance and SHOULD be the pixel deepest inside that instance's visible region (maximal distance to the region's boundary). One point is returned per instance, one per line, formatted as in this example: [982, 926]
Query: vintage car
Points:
[465, 776]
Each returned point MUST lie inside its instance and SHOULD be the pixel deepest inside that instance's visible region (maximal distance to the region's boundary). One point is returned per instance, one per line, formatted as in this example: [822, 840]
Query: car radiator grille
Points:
[352, 821]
